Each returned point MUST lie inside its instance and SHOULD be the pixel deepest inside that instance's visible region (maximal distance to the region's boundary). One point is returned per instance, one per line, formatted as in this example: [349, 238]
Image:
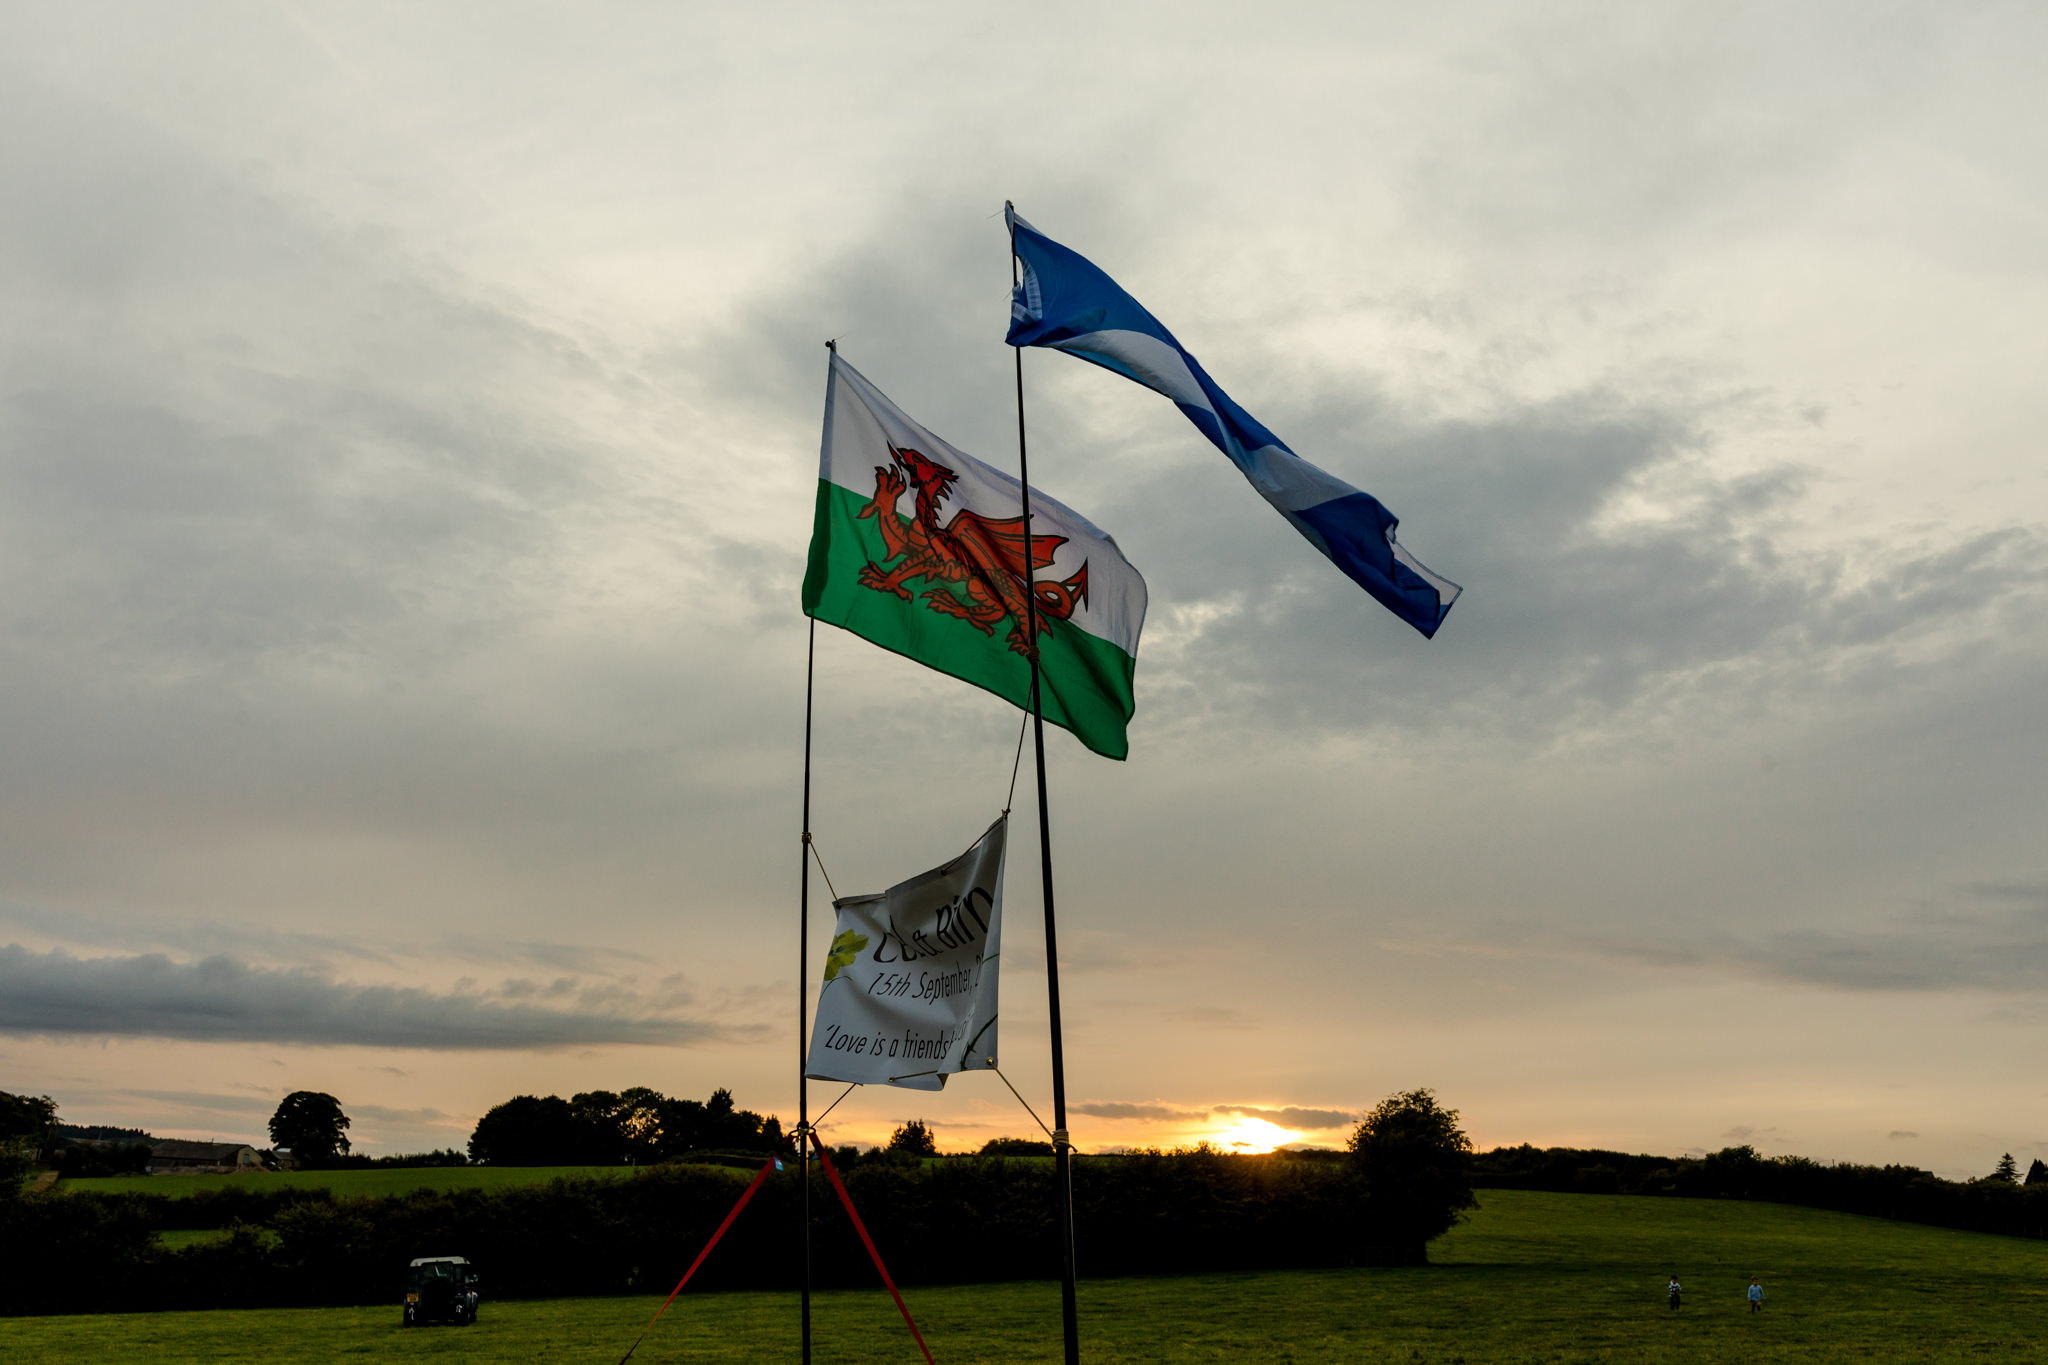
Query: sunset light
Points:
[1247, 1134]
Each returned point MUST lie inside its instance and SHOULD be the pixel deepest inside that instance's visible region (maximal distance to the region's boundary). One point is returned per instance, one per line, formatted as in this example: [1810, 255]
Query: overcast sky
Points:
[408, 426]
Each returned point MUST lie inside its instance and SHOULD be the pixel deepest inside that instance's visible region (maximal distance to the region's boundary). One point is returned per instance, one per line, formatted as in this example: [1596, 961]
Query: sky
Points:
[408, 427]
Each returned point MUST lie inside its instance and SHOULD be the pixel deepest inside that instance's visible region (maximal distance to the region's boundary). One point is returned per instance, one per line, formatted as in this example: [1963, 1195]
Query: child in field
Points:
[1674, 1291]
[1756, 1295]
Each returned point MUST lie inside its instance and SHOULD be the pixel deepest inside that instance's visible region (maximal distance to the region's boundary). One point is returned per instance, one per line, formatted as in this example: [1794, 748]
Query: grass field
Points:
[1550, 1278]
[378, 1180]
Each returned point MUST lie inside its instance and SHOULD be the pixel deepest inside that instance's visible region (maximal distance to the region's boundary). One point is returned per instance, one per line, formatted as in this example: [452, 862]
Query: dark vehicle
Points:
[440, 1288]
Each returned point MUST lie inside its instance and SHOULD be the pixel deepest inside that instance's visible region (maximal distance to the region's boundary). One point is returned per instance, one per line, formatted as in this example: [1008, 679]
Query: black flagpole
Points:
[1062, 1148]
[803, 982]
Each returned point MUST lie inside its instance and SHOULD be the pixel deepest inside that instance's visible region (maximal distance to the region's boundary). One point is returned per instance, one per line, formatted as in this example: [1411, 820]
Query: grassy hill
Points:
[377, 1180]
[1531, 1278]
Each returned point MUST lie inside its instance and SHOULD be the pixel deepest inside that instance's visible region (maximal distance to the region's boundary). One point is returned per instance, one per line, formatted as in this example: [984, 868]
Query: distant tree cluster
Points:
[914, 1139]
[632, 1127]
[102, 1132]
[1016, 1146]
[311, 1123]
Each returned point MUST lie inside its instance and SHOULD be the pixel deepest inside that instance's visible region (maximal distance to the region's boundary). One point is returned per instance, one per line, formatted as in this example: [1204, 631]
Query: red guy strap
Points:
[869, 1242]
[759, 1176]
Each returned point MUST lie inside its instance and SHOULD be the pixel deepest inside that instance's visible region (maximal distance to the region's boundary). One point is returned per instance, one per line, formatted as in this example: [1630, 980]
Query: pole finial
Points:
[833, 345]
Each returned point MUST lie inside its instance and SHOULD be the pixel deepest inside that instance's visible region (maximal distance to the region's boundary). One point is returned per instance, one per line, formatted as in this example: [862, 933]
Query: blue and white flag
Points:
[1065, 302]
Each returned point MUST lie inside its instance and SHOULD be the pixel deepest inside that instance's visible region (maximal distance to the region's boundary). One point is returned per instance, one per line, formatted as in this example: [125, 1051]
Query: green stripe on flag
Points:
[1086, 680]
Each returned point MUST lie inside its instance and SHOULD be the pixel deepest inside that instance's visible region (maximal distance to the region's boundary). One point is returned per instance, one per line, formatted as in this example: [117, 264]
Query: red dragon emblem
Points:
[985, 556]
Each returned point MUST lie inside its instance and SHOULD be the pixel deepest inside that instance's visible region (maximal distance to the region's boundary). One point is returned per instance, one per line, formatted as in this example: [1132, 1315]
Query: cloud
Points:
[1901, 1133]
[1122, 1109]
[1301, 1120]
[221, 999]
[1984, 936]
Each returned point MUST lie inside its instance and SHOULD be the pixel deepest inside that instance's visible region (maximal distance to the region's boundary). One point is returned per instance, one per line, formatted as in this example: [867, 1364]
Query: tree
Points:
[602, 1116]
[1417, 1166]
[2037, 1173]
[639, 1123]
[529, 1130]
[25, 1123]
[312, 1125]
[683, 1127]
[2008, 1170]
[1015, 1146]
[915, 1138]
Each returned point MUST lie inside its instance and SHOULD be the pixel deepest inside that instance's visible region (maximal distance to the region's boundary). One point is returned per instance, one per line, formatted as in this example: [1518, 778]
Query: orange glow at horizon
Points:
[1247, 1134]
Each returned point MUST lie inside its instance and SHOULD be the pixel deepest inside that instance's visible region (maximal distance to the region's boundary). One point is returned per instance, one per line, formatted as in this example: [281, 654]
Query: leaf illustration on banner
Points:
[845, 949]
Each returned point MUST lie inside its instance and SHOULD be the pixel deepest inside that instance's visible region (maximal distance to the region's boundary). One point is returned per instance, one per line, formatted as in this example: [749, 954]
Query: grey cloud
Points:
[219, 999]
[1122, 1109]
[1567, 619]
[1296, 1118]
[280, 945]
[1901, 1133]
[297, 947]
[1993, 938]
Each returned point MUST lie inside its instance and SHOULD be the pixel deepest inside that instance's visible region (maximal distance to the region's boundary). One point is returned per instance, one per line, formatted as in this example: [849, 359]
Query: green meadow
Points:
[376, 1180]
[1551, 1278]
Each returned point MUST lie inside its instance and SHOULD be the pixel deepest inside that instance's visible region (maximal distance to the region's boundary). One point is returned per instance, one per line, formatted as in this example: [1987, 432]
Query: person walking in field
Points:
[1756, 1295]
[1674, 1292]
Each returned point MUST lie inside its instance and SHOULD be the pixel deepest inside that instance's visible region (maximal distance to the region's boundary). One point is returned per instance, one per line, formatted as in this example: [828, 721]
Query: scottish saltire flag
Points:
[920, 548]
[1065, 302]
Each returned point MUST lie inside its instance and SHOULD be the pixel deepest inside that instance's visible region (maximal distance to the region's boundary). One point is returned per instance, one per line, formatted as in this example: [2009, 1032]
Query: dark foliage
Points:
[1417, 1167]
[915, 1138]
[101, 1132]
[532, 1130]
[2037, 1174]
[311, 1123]
[64, 1254]
[633, 1127]
[1010, 1146]
[82, 1160]
[945, 1220]
[25, 1123]
[1901, 1192]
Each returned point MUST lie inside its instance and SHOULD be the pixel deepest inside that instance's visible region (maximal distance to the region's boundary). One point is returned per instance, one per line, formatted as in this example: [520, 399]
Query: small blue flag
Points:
[1065, 302]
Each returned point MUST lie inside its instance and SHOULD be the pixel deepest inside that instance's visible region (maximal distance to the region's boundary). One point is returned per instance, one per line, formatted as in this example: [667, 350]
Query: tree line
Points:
[2002, 1201]
[636, 1127]
[936, 1220]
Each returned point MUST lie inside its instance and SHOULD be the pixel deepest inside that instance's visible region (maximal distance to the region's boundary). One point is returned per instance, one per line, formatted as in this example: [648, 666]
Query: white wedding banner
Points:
[910, 983]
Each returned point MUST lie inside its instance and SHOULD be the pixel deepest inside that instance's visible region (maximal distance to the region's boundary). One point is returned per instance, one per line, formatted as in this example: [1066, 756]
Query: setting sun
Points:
[1246, 1134]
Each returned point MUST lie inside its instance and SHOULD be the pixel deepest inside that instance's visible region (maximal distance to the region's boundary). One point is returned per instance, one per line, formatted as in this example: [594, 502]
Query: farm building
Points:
[173, 1156]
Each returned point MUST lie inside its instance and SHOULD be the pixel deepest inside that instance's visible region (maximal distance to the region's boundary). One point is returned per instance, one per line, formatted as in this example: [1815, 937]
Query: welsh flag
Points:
[919, 548]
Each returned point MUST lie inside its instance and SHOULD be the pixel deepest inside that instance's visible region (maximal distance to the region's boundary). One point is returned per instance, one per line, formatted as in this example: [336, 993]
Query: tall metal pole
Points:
[803, 984]
[1062, 1148]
